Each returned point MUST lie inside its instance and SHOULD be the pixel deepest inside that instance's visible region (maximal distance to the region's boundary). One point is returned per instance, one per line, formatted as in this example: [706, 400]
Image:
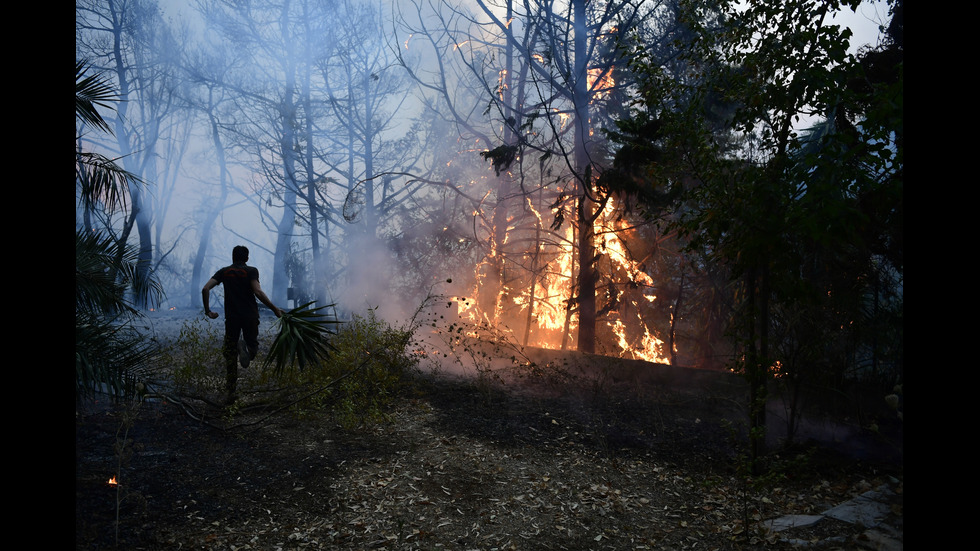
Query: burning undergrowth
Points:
[526, 286]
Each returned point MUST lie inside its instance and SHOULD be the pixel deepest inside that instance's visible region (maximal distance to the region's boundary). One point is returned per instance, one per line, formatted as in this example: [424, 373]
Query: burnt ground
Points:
[462, 463]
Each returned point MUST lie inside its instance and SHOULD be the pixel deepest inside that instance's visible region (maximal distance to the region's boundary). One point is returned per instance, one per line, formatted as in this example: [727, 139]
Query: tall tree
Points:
[770, 211]
[269, 89]
[129, 40]
[562, 60]
[206, 69]
[575, 61]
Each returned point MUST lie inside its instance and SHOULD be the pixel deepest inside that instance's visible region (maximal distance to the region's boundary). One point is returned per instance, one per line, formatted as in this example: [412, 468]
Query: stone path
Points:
[871, 510]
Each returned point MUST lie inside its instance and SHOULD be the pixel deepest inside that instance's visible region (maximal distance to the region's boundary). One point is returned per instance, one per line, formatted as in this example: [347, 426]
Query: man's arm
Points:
[260, 294]
[206, 298]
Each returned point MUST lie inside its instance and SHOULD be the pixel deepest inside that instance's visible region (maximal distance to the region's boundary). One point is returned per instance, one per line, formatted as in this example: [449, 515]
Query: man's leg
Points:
[250, 334]
[230, 352]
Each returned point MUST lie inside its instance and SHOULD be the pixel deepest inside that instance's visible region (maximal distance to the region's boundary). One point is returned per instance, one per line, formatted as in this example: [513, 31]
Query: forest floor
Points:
[465, 463]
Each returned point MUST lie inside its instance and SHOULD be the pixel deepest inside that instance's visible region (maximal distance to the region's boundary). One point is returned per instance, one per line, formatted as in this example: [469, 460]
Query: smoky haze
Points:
[344, 143]
[326, 83]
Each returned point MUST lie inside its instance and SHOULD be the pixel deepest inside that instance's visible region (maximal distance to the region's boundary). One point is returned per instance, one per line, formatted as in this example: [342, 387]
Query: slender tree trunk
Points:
[586, 206]
[86, 205]
[757, 359]
[494, 281]
[673, 321]
[319, 279]
[204, 234]
[534, 273]
[140, 217]
[287, 223]
[572, 288]
[287, 146]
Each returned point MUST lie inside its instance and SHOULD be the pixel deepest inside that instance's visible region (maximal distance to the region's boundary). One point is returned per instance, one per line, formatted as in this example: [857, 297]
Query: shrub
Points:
[356, 382]
[370, 361]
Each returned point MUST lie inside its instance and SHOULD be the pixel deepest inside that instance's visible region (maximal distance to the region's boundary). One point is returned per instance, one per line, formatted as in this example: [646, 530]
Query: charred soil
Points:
[459, 464]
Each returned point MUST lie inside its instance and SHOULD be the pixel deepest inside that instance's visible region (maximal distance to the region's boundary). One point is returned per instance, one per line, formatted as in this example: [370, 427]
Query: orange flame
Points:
[600, 82]
[547, 296]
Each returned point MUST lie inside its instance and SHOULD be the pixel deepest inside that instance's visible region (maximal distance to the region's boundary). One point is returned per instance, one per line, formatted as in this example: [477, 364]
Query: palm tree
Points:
[109, 353]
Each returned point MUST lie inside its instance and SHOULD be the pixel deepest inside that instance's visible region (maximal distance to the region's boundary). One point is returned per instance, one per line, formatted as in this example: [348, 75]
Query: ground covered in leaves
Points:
[459, 464]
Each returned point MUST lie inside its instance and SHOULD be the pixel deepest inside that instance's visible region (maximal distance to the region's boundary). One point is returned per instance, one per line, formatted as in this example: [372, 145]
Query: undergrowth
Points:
[197, 366]
[355, 383]
[362, 375]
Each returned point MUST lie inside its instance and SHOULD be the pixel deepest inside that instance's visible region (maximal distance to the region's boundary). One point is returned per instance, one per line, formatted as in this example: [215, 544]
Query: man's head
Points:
[239, 254]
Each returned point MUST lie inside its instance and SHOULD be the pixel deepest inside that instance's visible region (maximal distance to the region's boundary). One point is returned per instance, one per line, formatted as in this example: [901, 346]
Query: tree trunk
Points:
[204, 234]
[586, 206]
[675, 314]
[319, 278]
[287, 145]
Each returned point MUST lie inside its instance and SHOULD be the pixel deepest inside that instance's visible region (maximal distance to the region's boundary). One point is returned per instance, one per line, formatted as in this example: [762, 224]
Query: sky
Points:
[865, 22]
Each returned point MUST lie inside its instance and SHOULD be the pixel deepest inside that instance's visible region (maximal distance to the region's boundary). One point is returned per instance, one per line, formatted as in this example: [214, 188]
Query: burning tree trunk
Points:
[535, 258]
[586, 273]
[493, 283]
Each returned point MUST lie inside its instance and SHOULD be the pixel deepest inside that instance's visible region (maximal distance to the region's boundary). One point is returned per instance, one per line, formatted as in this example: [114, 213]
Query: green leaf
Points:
[303, 338]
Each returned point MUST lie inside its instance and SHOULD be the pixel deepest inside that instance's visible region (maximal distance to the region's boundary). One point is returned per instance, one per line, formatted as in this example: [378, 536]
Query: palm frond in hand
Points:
[302, 338]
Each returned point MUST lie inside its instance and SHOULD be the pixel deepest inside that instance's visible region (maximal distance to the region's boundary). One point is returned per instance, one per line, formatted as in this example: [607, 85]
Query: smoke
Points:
[375, 268]
[368, 278]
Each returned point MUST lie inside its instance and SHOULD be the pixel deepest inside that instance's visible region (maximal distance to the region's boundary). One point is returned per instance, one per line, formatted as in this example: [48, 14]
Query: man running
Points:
[241, 313]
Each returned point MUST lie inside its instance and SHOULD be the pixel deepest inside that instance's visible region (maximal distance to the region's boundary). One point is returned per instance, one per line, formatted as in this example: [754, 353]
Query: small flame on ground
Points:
[112, 481]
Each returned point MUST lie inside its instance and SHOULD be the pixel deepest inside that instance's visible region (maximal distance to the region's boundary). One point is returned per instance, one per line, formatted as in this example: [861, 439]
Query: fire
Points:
[112, 481]
[534, 272]
[600, 82]
[563, 117]
[646, 346]
[540, 305]
[502, 83]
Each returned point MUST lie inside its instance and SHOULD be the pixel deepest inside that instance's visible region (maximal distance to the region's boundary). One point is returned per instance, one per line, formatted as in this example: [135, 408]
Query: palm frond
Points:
[109, 352]
[103, 180]
[91, 92]
[302, 338]
[100, 178]
[105, 273]
[110, 355]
